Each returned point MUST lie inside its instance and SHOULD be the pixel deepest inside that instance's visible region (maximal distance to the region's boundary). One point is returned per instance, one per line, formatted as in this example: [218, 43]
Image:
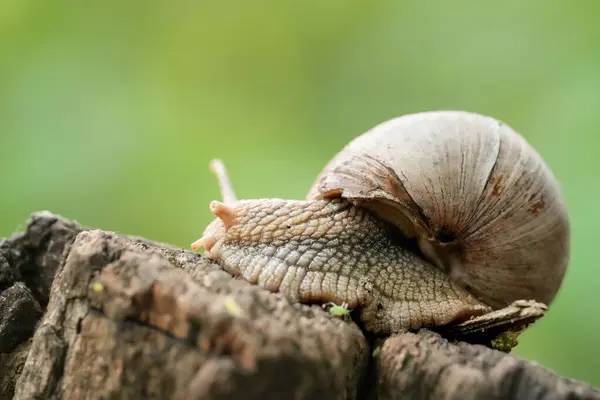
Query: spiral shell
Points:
[479, 200]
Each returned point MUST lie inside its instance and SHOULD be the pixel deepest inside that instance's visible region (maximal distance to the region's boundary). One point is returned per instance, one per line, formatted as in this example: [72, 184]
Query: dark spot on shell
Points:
[498, 182]
[379, 306]
[537, 206]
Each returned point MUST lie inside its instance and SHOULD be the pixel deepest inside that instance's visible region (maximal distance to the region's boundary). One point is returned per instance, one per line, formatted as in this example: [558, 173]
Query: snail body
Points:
[425, 220]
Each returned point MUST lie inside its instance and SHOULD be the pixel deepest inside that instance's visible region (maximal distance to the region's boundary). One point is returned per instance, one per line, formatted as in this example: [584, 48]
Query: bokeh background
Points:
[110, 111]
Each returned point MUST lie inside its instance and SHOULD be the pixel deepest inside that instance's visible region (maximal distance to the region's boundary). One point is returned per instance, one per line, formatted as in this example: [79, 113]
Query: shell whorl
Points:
[480, 201]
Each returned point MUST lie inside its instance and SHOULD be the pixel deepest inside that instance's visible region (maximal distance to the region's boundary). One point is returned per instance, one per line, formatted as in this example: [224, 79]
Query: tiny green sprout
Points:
[233, 308]
[98, 287]
[339, 311]
[377, 351]
[505, 342]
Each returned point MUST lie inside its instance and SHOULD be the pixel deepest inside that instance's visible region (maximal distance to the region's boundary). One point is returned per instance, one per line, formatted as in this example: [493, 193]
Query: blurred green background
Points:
[111, 111]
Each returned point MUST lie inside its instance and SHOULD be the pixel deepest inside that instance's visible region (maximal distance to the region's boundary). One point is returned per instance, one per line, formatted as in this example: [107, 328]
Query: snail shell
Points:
[479, 200]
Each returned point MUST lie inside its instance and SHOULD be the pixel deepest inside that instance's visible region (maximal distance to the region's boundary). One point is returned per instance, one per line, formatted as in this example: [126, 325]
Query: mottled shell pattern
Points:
[479, 200]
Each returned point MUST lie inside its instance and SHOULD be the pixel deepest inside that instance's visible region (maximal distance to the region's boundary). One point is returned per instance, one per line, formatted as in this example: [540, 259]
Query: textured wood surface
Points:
[87, 314]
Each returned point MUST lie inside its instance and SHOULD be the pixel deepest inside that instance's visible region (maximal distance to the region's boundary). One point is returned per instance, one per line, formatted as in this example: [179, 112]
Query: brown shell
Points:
[479, 199]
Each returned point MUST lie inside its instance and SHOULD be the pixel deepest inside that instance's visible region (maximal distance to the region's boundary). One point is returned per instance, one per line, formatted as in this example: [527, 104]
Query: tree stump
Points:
[87, 314]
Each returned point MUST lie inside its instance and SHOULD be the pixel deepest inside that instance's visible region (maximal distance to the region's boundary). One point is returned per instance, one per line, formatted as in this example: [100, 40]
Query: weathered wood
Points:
[128, 318]
[11, 366]
[427, 366]
[28, 261]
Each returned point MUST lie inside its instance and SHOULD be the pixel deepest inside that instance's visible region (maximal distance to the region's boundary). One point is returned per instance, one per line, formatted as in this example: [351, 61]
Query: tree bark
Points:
[87, 314]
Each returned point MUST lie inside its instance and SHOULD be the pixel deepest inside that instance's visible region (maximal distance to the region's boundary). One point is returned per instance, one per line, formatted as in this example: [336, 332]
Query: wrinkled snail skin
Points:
[488, 217]
[331, 251]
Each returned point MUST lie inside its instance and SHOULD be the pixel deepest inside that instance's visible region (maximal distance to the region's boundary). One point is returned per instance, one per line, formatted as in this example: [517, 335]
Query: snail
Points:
[428, 219]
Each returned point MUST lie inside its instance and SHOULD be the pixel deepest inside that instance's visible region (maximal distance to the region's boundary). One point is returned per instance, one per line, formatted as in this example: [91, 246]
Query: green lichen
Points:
[376, 352]
[98, 287]
[505, 342]
[233, 308]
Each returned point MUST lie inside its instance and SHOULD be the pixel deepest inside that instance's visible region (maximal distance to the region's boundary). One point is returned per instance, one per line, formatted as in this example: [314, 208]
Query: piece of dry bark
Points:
[129, 318]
